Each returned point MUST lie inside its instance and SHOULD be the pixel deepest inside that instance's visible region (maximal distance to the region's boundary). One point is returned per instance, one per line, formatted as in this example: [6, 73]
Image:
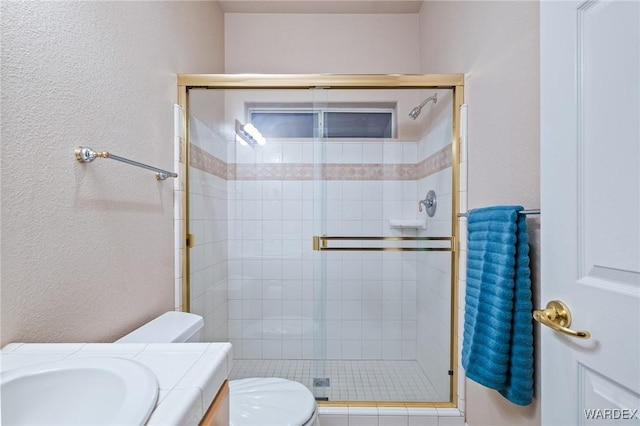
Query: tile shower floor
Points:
[349, 380]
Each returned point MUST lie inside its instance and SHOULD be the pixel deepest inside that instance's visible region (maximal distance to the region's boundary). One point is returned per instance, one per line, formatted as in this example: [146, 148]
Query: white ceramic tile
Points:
[333, 349]
[292, 349]
[293, 308]
[393, 420]
[272, 152]
[392, 153]
[363, 411]
[179, 407]
[208, 374]
[363, 420]
[372, 152]
[13, 360]
[352, 209]
[272, 190]
[42, 348]
[391, 309]
[351, 310]
[272, 210]
[333, 189]
[424, 412]
[272, 309]
[235, 309]
[333, 152]
[372, 210]
[252, 328]
[392, 350]
[171, 348]
[448, 412]
[235, 329]
[461, 404]
[334, 420]
[352, 349]
[168, 368]
[423, 421]
[334, 411]
[108, 348]
[272, 349]
[451, 421]
[409, 152]
[352, 152]
[292, 190]
[372, 190]
[292, 209]
[352, 190]
[292, 153]
[252, 349]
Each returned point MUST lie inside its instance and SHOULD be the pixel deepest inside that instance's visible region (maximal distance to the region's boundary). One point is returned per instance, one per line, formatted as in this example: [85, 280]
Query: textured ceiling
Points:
[321, 6]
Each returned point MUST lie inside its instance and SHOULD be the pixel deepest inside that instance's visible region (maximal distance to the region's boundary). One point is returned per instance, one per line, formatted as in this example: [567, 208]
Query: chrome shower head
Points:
[416, 111]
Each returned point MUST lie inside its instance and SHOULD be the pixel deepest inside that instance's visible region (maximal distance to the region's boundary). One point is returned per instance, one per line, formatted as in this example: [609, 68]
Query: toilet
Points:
[252, 401]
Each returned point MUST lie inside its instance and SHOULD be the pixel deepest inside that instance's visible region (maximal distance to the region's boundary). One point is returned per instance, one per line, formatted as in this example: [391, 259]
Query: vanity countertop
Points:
[189, 374]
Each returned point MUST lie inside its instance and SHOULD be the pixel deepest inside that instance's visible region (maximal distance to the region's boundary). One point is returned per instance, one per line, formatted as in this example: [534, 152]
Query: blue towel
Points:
[497, 349]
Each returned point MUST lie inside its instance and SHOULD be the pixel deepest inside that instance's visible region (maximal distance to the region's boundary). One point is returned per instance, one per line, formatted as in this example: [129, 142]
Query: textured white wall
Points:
[321, 43]
[496, 45]
[87, 250]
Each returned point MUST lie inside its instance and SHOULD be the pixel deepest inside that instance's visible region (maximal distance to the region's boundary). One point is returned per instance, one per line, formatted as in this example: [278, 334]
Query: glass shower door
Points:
[384, 302]
[366, 318]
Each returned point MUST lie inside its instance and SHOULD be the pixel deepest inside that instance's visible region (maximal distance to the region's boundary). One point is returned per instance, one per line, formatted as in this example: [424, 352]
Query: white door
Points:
[590, 181]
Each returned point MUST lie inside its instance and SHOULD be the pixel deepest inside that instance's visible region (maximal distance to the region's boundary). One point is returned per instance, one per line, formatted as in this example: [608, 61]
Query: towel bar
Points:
[87, 155]
[525, 212]
[320, 243]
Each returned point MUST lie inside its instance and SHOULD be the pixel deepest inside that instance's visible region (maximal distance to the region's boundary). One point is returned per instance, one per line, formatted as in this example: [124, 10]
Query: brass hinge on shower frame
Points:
[191, 240]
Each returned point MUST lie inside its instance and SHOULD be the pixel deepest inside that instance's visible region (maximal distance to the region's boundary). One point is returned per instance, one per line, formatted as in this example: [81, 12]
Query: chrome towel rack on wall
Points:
[87, 155]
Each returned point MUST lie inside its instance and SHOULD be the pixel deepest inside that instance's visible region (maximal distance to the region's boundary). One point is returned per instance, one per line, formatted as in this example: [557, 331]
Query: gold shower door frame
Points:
[454, 82]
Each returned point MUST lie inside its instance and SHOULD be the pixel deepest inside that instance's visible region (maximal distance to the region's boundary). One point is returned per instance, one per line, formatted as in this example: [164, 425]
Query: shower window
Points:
[331, 123]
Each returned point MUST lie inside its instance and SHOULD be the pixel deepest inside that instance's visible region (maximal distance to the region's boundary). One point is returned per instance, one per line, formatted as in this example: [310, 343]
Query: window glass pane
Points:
[284, 124]
[357, 124]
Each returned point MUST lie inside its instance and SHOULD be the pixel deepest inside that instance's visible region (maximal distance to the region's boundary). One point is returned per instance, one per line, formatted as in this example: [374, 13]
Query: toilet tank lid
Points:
[170, 327]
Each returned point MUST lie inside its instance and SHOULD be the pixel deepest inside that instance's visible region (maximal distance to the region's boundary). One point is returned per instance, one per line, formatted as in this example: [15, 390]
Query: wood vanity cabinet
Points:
[218, 412]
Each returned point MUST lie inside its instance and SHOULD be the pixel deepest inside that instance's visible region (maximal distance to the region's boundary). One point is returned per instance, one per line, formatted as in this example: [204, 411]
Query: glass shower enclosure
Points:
[322, 231]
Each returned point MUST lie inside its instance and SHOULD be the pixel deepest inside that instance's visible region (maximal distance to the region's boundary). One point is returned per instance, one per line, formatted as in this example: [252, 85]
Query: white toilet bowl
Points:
[253, 401]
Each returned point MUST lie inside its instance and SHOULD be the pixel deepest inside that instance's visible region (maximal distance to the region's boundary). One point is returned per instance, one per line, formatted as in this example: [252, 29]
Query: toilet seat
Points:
[270, 402]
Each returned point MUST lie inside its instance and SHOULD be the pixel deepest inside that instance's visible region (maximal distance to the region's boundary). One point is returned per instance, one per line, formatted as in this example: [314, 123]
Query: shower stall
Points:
[321, 232]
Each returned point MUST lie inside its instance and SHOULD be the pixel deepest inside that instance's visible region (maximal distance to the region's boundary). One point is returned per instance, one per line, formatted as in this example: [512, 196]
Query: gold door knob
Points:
[558, 317]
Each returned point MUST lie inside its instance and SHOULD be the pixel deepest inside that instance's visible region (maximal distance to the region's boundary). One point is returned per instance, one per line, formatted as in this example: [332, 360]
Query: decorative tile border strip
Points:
[208, 163]
[202, 160]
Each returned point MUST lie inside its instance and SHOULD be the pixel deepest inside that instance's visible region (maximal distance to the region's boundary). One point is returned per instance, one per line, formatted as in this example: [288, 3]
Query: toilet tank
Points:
[170, 327]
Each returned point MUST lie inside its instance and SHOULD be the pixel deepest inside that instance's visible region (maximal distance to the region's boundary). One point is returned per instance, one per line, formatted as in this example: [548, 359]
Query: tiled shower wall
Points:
[208, 209]
[370, 309]
[254, 261]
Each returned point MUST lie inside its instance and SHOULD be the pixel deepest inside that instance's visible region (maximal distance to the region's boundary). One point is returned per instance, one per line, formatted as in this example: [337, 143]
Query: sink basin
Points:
[81, 391]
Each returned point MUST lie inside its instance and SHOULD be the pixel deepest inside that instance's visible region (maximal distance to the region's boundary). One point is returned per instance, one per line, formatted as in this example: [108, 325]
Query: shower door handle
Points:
[321, 243]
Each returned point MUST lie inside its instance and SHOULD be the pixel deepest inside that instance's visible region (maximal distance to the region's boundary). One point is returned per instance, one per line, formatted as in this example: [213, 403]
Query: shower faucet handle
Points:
[429, 203]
